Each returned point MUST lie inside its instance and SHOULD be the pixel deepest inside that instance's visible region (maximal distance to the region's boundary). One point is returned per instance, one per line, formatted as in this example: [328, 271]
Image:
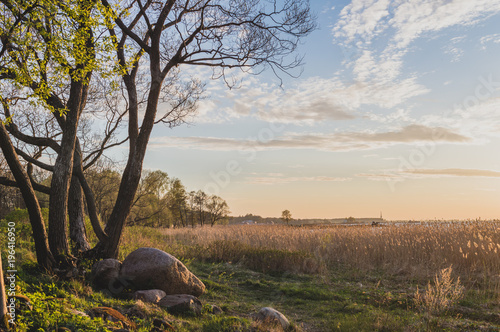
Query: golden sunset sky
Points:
[397, 109]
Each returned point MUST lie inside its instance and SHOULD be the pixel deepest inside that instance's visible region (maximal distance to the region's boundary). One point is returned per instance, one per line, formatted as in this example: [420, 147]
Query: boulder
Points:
[150, 295]
[105, 273]
[269, 315]
[181, 304]
[150, 268]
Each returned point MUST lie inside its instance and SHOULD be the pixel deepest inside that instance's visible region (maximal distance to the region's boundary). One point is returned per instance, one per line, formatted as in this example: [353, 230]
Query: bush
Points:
[443, 294]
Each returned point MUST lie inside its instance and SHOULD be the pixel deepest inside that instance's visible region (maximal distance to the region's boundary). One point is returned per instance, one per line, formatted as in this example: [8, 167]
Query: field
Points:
[395, 277]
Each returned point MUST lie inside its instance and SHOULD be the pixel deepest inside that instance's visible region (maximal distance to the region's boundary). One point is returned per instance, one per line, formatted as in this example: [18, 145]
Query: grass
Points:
[322, 278]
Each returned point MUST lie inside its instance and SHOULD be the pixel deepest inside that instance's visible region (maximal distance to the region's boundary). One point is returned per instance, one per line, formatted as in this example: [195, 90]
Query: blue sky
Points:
[397, 109]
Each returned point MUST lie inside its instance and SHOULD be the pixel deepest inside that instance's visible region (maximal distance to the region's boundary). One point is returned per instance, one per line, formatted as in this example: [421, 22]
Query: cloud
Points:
[309, 101]
[401, 175]
[363, 24]
[272, 180]
[478, 118]
[493, 38]
[455, 172]
[342, 141]
[411, 133]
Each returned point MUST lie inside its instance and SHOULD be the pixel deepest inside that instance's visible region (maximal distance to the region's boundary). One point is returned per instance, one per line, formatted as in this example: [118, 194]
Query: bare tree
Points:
[162, 37]
[153, 42]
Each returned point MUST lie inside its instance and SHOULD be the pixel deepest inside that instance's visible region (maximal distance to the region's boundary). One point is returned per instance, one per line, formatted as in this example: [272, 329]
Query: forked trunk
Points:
[131, 177]
[61, 177]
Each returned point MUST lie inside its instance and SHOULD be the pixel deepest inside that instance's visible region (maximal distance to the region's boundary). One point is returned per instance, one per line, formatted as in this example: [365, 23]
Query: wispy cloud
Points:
[493, 38]
[310, 101]
[272, 180]
[343, 141]
[400, 23]
[400, 175]
[455, 172]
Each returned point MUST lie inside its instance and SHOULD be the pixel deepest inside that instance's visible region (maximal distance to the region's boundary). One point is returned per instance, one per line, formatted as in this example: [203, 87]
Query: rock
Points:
[272, 316]
[150, 268]
[105, 273]
[216, 310]
[150, 295]
[180, 304]
[112, 315]
[140, 310]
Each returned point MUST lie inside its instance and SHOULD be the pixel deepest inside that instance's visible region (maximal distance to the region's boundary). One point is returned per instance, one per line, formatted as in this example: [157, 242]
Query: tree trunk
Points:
[76, 217]
[121, 210]
[43, 253]
[131, 176]
[3, 299]
[61, 177]
[89, 195]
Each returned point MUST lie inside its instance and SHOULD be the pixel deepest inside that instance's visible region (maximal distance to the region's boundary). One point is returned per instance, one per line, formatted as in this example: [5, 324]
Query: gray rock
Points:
[272, 316]
[216, 310]
[150, 268]
[181, 304]
[150, 295]
[105, 273]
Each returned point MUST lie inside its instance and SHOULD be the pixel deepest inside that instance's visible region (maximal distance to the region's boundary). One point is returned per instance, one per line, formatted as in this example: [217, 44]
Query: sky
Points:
[396, 110]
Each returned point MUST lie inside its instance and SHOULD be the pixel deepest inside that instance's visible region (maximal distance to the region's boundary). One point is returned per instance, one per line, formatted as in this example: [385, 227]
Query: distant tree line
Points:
[160, 201]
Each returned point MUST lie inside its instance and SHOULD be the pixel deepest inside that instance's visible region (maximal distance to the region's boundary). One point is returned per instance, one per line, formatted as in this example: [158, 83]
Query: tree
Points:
[10, 197]
[286, 216]
[44, 256]
[52, 49]
[177, 202]
[150, 205]
[217, 209]
[165, 36]
[47, 45]
[4, 320]
[201, 202]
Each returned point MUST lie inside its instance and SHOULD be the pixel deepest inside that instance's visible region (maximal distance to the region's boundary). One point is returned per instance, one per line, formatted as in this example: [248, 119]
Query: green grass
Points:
[334, 301]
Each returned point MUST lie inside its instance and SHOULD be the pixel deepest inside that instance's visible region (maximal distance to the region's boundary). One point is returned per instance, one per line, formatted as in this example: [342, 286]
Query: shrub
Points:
[442, 295]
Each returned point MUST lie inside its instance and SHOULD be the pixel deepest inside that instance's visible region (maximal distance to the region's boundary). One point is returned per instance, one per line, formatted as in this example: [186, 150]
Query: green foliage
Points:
[50, 309]
[151, 202]
[25, 247]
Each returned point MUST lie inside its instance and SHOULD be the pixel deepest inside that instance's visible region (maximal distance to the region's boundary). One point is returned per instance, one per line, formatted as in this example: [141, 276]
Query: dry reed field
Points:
[416, 250]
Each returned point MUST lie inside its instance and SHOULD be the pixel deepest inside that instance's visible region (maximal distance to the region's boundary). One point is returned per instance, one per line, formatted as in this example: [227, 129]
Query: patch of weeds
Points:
[441, 295]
